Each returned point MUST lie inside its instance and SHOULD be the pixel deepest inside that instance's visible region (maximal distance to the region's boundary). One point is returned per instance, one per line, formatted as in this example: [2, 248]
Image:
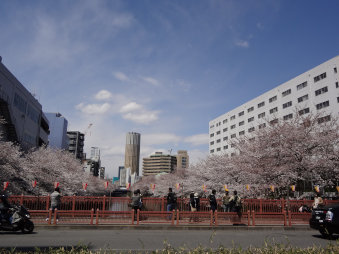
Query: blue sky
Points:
[160, 68]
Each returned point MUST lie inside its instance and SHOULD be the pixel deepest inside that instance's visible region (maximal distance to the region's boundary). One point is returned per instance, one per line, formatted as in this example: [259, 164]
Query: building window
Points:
[321, 91]
[241, 113]
[241, 123]
[225, 138]
[225, 121]
[302, 85]
[251, 129]
[304, 111]
[241, 133]
[225, 147]
[335, 69]
[212, 126]
[287, 92]
[261, 126]
[232, 117]
[20, 103]
[303, 98]
[232, 145]
[251, 139]
[250, 109]
[273, 110]
[287, 117]
[232, 126]
[233, 135]
[287, 104]
[212, 143]
[261, 115]
[251, 119]
[261, 104]
[324, 119]
[211, 135]
[274, 98]
[212, 151]
[323, 105]
[225, 129]
[320, 77]
[218, 132]
[336, 84]
[218, 149]
[274, 121]
[338, 99]
[218, 141]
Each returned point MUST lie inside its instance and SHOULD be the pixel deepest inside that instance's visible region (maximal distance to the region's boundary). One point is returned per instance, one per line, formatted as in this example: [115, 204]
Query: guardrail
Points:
[103, 203]
[174, 218]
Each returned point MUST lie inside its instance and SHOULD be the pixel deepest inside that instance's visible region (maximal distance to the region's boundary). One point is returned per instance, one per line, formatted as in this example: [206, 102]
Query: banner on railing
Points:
[153, 186]
[247, 187]
[84, 186]
[34, 183]
[293, 188]
[6, 185]
[316, 188]
[272, 188]
[204, 187]
[177, 186]
[56, 184]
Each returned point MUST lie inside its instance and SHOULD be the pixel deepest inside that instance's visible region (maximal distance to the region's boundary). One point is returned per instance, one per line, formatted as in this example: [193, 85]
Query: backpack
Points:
[171, 198]
[237, 201]
[212, 199]
[136, 202]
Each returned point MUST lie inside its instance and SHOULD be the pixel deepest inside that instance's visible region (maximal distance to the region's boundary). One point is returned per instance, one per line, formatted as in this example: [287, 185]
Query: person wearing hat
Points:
[226, 202]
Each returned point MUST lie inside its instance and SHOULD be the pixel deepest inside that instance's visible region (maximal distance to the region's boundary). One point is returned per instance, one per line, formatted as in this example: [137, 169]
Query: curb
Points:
[169, 227]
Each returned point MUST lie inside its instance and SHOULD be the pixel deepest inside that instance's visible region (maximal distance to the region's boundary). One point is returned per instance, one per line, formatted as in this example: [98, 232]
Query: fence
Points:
[81, 203]
[174, 218]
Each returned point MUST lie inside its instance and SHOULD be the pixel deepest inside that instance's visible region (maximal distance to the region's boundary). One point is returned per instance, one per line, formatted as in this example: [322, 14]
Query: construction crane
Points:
[87, 129]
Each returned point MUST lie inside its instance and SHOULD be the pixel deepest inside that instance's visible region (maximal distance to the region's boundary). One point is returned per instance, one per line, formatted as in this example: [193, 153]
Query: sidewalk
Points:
[169, 227]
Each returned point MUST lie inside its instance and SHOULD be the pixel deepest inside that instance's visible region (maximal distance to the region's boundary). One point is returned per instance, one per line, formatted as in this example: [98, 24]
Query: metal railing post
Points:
[92, 216]
[138, 214]
[73, 205]
[55, 216]
[248, 218]
[253, 218]
[97, 217]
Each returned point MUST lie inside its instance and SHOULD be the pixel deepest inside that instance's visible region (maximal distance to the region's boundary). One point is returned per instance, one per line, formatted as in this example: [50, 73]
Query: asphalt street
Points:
[128, 239]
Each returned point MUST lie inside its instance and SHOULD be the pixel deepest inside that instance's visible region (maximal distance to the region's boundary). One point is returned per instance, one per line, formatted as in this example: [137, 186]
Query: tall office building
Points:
[182, 159]
[58, 131]
[159, 163]
[315, 91]
[132, 152]
[25, 124]
[76, 144]
[95, 153]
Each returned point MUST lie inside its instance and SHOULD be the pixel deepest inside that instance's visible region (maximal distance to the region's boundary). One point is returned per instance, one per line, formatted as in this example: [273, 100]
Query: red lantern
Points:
[56, 184]
[6, 185]
[34, 183]
[84, 186]
[106, 184]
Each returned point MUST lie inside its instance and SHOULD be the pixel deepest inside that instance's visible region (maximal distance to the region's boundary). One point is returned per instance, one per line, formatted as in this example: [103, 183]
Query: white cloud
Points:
[196, 155]
[145, 117]
[93, 108]
[132, 106]
[121, 76]
[160, 138]
[151, 81]
[103, 95]
[242, 43]
[200, 139]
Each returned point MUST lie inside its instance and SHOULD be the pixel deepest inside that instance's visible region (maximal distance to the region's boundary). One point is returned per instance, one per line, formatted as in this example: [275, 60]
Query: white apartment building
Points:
[314, 91]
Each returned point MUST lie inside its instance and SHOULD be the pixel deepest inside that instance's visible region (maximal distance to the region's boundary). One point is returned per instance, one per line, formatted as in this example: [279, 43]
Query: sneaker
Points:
[47, 219]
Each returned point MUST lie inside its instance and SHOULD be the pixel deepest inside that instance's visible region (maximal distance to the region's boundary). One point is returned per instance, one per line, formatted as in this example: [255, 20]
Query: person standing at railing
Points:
[55, 201]
[318, 201]
[171, 200]
[226, 202]
[236, 204]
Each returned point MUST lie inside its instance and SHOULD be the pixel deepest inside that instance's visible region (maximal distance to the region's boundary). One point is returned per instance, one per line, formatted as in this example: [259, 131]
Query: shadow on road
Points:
[333, 237]
[40, 248]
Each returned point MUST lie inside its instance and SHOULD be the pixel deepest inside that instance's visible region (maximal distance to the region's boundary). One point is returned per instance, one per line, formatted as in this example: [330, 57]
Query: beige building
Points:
[159, 163]
[182, 159]
[132, 152]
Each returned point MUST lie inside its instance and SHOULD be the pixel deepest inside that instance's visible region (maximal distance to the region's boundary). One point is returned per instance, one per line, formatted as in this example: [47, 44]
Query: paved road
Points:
[128, 239]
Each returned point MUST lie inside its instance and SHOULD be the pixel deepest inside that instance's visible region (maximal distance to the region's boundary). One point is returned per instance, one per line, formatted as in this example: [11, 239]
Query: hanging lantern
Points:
[225, 187]
[177, 186]
[247, 187]
[128, 185]
[293, 188]
[56, 184]
[153, 187]
[337, 188]
[316, 188]
[34, 183]
[272, 188]
[84, 186]
[106, 184]
[204, 187]
[6, 185]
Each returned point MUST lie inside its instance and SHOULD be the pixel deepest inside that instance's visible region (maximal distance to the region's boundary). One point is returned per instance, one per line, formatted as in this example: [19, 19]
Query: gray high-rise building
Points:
[132, 152]
[58, 131]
